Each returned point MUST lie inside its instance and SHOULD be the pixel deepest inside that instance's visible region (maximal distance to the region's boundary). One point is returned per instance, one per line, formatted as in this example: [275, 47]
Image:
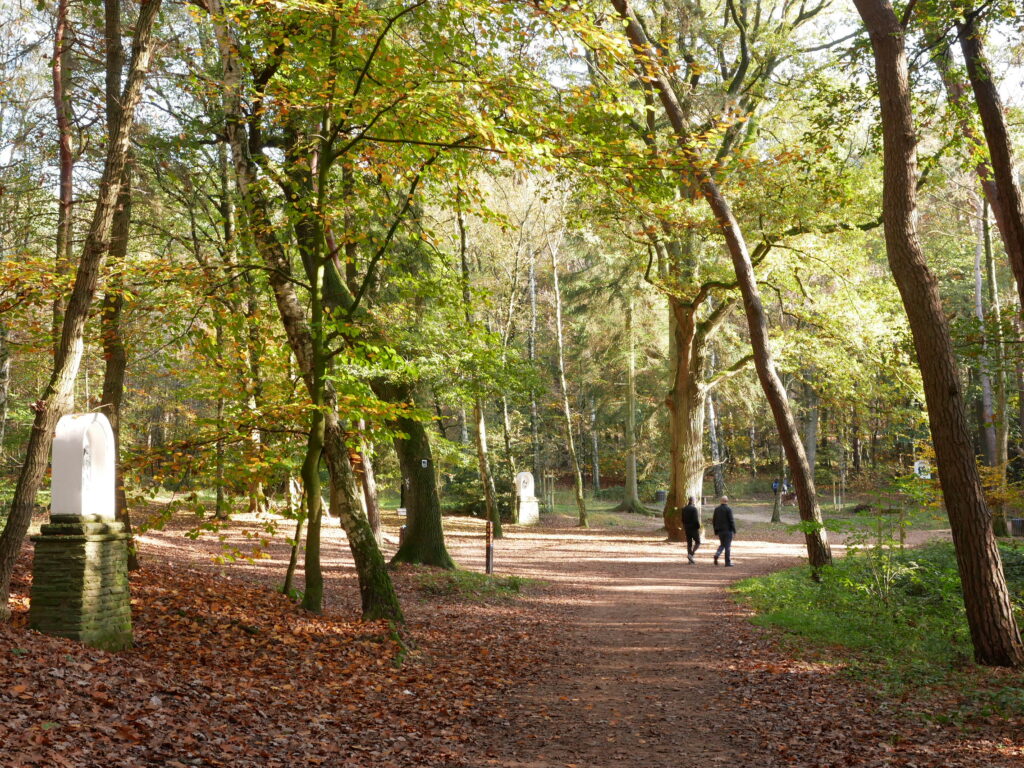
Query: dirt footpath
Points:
[662, 668]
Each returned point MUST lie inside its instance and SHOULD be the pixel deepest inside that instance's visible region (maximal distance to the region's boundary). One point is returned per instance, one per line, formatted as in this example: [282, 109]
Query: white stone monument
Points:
[83, 467]
[80, 569]
[526, 501]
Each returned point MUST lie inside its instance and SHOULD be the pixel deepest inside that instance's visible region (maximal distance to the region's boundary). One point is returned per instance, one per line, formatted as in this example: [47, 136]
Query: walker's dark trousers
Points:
[726, 545]
[692, 540]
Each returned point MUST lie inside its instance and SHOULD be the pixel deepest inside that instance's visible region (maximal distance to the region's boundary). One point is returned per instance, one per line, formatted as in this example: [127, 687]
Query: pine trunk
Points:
[994, 631]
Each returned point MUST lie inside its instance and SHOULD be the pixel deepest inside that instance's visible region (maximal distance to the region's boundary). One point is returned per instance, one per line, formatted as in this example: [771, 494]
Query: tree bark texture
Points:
[424, 536]
[56, 398]
[994, 631]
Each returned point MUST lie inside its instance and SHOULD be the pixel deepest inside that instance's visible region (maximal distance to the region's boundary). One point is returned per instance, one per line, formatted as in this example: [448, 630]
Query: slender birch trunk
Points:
[581, 505]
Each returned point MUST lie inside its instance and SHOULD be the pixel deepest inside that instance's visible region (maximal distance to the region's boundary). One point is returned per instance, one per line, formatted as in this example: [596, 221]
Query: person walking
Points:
[691, 524]
[725, 528]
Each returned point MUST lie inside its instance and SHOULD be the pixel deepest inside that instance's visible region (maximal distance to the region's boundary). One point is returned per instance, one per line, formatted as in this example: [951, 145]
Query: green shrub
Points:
[899, 613]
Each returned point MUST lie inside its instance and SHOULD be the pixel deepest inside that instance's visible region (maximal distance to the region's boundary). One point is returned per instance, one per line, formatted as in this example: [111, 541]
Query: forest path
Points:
[650, 639]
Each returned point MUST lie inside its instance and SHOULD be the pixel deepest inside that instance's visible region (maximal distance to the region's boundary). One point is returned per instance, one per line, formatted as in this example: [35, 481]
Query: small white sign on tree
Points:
[83, 466]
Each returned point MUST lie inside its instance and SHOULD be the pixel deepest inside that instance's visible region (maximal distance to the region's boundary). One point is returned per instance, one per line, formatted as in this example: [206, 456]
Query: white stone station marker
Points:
[80, 569]
[83, 467]
[529, 507]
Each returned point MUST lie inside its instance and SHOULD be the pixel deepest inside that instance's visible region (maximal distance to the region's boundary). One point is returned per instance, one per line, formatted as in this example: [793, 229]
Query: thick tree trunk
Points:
[56, 398]
[563, 386]
[818, 550]
[424, 536]
[687, 402]
[994, 631]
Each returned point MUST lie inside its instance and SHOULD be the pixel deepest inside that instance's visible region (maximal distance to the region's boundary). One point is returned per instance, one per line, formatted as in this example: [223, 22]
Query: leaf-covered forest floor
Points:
[618, 652]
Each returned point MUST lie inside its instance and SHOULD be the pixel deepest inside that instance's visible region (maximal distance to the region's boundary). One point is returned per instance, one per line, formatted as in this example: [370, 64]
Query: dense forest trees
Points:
[419, 247]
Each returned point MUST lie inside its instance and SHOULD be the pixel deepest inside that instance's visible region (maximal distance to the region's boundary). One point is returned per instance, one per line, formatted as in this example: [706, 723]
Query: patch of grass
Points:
[896, 619]
[470, 585]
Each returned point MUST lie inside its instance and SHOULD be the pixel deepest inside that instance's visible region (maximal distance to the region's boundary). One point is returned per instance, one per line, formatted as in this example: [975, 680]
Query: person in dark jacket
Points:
[691, 524]
[725, 529]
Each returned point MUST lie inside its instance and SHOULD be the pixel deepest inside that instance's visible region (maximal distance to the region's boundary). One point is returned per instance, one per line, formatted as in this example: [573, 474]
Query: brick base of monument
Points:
[80, 582]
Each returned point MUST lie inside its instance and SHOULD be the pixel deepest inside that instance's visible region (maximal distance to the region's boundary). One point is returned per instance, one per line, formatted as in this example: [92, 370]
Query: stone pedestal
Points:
[529, 510]
[80, 581]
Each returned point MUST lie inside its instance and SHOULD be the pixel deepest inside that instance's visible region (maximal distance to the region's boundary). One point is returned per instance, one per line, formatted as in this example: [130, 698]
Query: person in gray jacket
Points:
[725, 528]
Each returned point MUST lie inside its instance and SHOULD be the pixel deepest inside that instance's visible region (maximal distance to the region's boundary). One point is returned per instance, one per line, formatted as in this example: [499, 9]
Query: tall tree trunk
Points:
[531, 354]
[484, 462]
[56, 397]
[631, 493]
[595, 455]
[716, 451]
[988, 426]
[994, 631]
[1009, 205]
[687, 402]
[424, 536]
[369, 482]
[752, 431]
[999, 412]
[811, 426]
[313, 594]
[510, 458]
[480, 422]
[5, 386]
[818, 550]
[114, 354]
[61, 72]
[581, 505]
